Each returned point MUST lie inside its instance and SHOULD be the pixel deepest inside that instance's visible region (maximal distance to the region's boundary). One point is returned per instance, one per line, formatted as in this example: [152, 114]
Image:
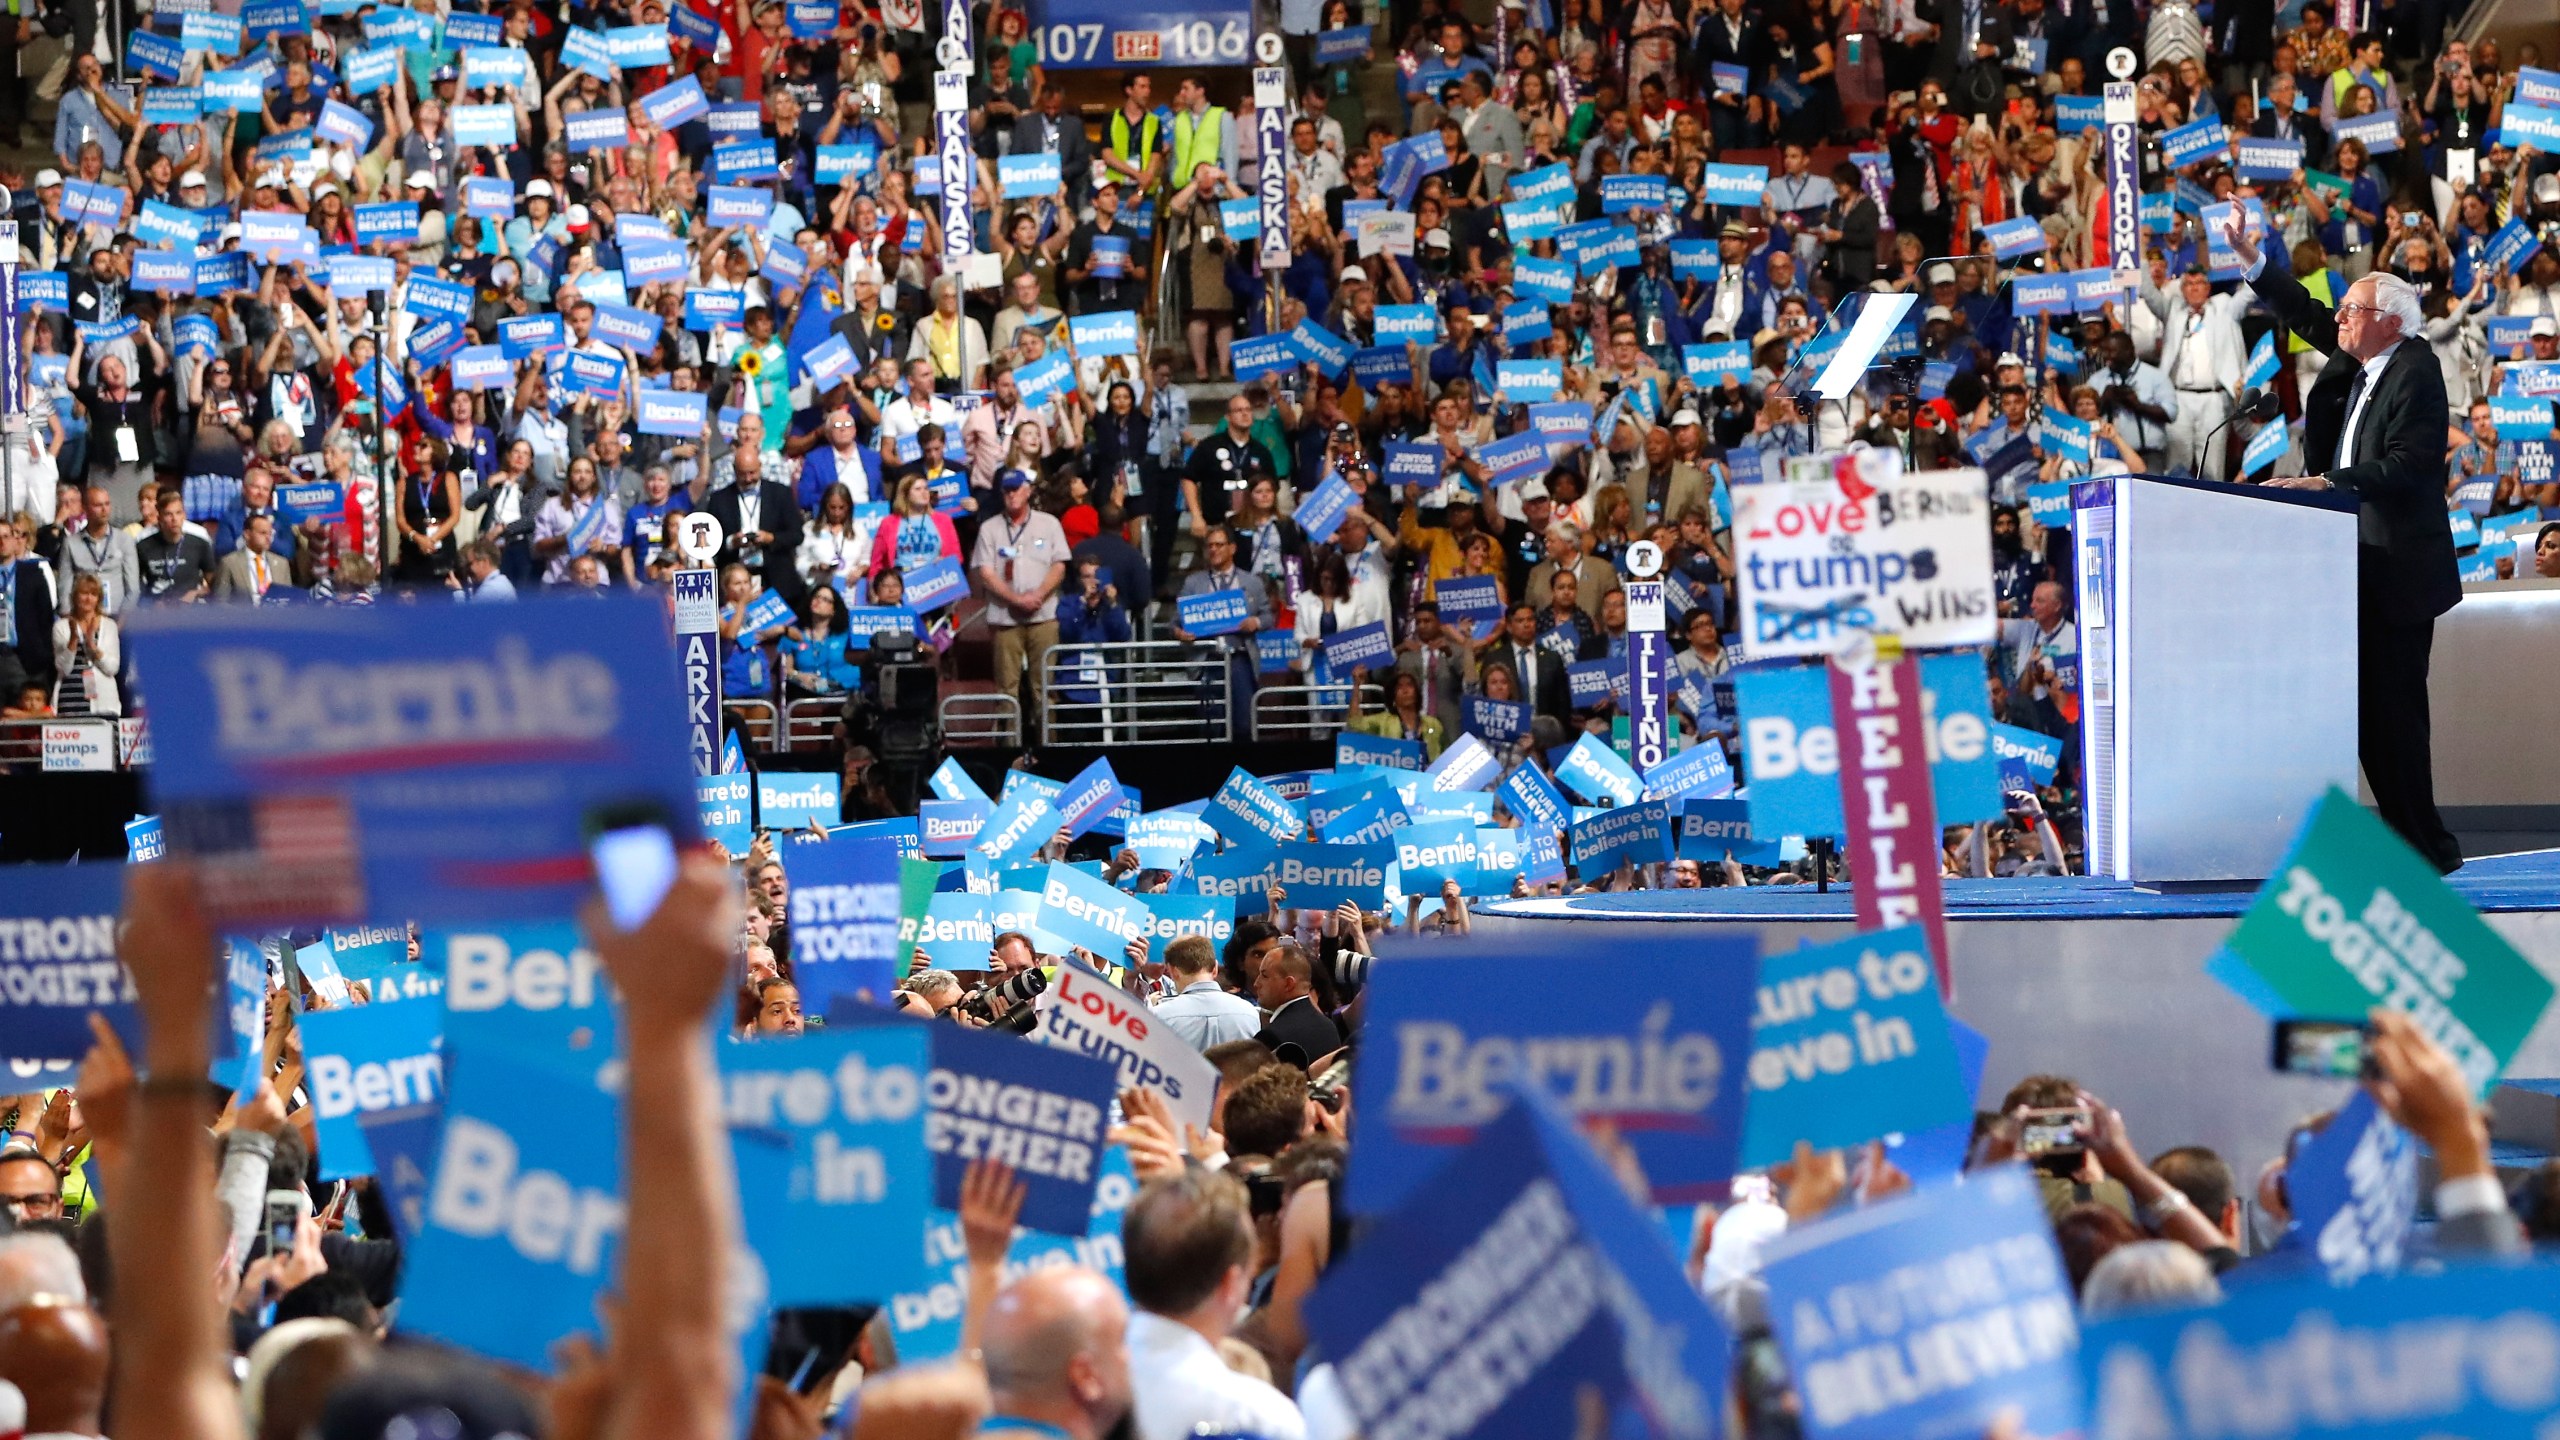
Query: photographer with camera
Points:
[1004, 1002]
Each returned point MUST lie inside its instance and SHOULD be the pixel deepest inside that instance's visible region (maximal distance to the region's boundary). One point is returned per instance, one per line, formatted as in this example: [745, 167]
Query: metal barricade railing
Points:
[1139, 693]
[810, 724]
[1308, 712]
[982, 717]
[758, 721]
[22, 743]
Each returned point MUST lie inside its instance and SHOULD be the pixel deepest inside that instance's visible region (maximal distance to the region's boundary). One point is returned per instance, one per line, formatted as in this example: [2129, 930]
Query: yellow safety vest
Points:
[1137, 149]
[1195, 142]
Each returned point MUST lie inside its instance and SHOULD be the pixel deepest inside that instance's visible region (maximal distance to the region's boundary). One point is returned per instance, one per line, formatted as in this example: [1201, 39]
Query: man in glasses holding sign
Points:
[2374, 426]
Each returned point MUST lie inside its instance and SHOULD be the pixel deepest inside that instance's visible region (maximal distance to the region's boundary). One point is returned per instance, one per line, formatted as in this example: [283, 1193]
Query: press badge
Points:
[128, 449]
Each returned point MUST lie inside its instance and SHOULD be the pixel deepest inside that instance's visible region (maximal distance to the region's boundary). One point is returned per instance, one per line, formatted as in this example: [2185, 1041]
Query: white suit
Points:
[2203, 356]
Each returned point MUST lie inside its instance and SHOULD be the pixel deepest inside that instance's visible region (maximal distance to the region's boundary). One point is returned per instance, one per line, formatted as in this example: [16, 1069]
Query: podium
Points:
[2217, 628]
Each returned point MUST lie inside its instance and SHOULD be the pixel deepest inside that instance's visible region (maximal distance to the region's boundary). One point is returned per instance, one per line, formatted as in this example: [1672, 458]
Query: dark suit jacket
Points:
[780, 514]
[2405, 564]
[1075, 148]
[2306, 127]
[1301, 1024]
[31, 603]
[1552, 696]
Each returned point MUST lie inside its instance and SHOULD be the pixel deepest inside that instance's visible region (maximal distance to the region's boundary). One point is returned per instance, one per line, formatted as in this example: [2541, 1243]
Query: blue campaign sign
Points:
[2514, 243]
[1521, 1247]
[1713, 829]
[1695, 260]
[1358, 815]
[1028, 176]
[1849, 1044]
[671, 105]
[2013, 239]
[1496, 722]
[1112, 332]
[622, 325]
[1637, 834]
[2195, 142]
[1042, 1110]
[1020, 824]
[2381, 133]
[521, 1139]
[1434, 852]
[837, 1119]
[1699, 772]
[1241, 218]
[300, 811]
[662, 412]
[1587, 682]
[1593, 771]
[935, 584]
[2273, 159]
[951, 782]
[2028, 758]
[2041, 294]
[1322, 511]
[143, 840]
[58, 959]
[2520, 417]
[1089, 800]
[523, 336]
[1439, 1032]
[1983, 1255]
[726, 803]
[1320, 877]
[154, 55]
[637, 47]
[1399, 323]
[1364, 646]
[786, 801]
[2050, 504]
[740, 205]
[1711, 364]
[1382, 365]
[367, 1057]
[1734, 184]
[1213, 612]
[165, 272]
[1526, 220]
[1522, 381]
[1534, 800]
[2075, 113]
[1546, 281]
[2303, 1357]
[1090, 915]
[489, 125]
[1247, 811]
[1328, 352]
[946, 828]
[1353, 747]
[2354, 1191]
[1527, 321]
[1791, 753]
[1622, 193]
[1263, 355]
[1179, 915]
[1469, 598]
[596, 129]
[2534, 125]
[1044, 379]
[534, 990]
[844, 919]
[1515, 458]
[1611, 248]
[2066, 435]
[345, 125]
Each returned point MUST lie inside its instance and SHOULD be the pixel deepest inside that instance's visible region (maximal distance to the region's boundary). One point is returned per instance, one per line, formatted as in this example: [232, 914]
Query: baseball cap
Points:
[2543, 325]
[1012, 480]
[1937, 312]
[192, 180]
[48, 177]
[579, 219]
[1942, 273]
[1354, 273]
[2547, 189]
[421, 180]
[538, 187]
[2009, 357]
[1533, 489]
[1684, 416]
[269, 180]
[1436, 236]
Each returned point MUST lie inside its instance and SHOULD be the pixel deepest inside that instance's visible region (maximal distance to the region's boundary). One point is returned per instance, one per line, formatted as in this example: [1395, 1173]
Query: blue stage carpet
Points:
[2527, 881]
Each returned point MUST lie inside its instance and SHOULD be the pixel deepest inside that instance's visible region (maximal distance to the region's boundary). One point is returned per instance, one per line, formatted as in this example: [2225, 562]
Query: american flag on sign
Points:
[283, 859]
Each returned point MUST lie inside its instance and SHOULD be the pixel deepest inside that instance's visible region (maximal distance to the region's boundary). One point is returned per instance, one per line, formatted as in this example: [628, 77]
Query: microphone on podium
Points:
[2256, 405]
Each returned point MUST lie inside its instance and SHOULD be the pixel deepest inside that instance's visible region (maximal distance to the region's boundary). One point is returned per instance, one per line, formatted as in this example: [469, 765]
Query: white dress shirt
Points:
[1181, 1385]
[2355, 413]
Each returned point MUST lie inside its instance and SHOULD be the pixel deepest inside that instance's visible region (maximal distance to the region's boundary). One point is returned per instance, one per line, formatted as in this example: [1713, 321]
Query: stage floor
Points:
[2493, 884]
